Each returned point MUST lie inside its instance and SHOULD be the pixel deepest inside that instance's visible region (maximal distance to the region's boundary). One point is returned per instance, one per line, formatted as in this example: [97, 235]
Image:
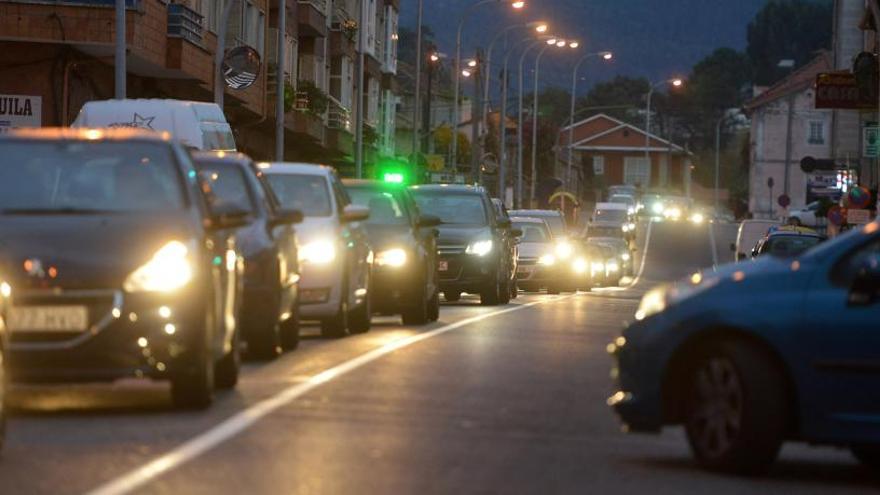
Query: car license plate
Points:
[48, 318]
[444, 266]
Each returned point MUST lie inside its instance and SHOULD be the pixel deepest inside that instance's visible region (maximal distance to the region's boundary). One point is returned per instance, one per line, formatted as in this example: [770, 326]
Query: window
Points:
[342, 80]
[389, 56]
[598, 165]
[816, 133]
[306, 193]
[372, 114]
[229, 188]
[636, 171]
[254, 27]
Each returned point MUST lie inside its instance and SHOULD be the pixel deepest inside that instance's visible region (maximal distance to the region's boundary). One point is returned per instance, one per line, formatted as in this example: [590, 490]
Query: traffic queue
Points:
[127, 254]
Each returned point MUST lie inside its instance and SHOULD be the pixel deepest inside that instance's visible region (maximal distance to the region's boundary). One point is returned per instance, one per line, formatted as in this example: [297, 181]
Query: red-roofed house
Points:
[616, 152]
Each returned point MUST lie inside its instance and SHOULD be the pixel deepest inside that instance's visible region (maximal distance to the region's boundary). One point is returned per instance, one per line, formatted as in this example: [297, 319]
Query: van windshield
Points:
[82, 177]
[616, 216]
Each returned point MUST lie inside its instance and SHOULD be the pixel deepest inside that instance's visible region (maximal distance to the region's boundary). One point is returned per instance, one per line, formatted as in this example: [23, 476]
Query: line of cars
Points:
[126, 254]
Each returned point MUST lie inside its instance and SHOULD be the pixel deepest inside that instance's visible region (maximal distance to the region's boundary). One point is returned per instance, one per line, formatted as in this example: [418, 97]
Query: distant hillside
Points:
[653, 38]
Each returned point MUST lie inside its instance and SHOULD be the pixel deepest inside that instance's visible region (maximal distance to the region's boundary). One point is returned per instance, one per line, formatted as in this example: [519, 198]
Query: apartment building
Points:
[58, 55]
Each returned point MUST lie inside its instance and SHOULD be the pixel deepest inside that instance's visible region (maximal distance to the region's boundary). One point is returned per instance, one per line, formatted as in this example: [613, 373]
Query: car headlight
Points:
[597, 267]
[697, 218]
[564, 250]
[652, 303]
[632, 227]
[631, 210]
[580, 265]
[673, 213]
[318, 252]
[547, 260]
[657, 208]
[169, 269]
[612, 266]
[480, 248]
[625, 227]
[625, 256]
[391, 257]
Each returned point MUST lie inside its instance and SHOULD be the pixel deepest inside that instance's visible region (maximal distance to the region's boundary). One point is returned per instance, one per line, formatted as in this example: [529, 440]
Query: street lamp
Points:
[676, 83]
[502, 145]
[519, 131]
[560, 43]
[539, 27]
[607, 56]
[433, 59]
[518, 5]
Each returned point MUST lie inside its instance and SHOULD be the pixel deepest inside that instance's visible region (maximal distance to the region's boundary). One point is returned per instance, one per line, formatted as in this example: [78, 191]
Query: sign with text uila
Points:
[20, 111]
[841, 90]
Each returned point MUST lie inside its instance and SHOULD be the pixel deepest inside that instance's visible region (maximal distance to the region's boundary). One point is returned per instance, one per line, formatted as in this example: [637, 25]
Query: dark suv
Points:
[473, 254]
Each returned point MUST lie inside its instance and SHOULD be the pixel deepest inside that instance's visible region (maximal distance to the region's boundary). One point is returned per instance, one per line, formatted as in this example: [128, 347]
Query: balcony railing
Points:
[186, 23]
[131, 4]
[338, 117]
[319, 5]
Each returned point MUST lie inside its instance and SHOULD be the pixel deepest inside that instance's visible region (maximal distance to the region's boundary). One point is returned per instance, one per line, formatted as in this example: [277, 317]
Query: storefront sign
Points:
[20, 111]
[841, 90]
[858, 217]
[871, 142]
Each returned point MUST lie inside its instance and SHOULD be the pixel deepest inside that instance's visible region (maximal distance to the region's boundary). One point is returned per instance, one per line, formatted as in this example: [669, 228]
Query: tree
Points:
[787, 29]
[622, 98]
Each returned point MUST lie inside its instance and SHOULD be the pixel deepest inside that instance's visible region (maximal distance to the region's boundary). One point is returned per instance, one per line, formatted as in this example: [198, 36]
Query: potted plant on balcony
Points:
[311, 99]
[350, 29]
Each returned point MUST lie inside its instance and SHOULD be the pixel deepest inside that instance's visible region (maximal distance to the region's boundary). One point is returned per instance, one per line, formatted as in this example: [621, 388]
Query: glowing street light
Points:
[517, 5]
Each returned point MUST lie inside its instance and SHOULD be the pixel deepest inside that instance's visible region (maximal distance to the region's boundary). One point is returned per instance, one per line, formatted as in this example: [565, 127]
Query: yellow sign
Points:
[436, 163]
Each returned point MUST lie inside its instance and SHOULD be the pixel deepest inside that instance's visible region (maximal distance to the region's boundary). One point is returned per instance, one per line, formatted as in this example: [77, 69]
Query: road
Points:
[488, 400]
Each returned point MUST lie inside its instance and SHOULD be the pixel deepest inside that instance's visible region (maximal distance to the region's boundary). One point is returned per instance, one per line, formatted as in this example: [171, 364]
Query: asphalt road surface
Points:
[488, 400]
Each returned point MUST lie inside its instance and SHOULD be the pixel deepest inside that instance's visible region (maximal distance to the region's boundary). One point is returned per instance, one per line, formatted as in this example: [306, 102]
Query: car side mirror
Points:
[428, 221]
[229, 216]
[516, 233]
[865, 289]
[287, 217]
[355, 213]
[504, 223]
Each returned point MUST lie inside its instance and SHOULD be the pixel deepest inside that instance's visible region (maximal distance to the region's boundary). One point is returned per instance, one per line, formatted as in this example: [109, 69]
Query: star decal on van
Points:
[142, 122]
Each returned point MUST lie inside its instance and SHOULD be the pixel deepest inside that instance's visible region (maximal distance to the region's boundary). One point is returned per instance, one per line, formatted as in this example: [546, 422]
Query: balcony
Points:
[312, 18]
[338, 117]
[185, 23]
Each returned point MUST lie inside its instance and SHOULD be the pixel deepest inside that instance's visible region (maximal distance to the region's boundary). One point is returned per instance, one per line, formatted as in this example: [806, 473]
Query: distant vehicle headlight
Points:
[395, 258]
[657, 208]
[169, 269]
[580, 265]
[625, 256]
[318, 252]
[631, 210]
[698, 218]
[625, 227]
[564, 250]
[612, 266]
[674, 213]
[597, 267]
[480, 248]
[547, 260]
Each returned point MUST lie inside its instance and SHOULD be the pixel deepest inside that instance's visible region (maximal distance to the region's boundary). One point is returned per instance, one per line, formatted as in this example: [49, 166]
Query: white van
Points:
[196, 124]
[750, 232]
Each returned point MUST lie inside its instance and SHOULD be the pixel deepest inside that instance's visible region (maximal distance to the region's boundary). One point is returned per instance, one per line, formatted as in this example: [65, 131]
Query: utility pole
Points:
[279, 76]
[360, 106]
[416, 130]
[120, 69]
[427, 118]
[219, 82]
[476, 121]
[788, 144]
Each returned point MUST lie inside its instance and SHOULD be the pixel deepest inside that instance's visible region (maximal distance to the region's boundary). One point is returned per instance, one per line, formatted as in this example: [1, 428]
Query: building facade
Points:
[787, 127]
[60, 54]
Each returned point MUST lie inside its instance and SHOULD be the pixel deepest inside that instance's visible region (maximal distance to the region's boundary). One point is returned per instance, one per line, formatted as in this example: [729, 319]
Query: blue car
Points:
[752, 355]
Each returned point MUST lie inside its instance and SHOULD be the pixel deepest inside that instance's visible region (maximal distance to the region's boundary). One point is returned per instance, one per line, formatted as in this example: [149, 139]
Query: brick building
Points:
[60, 54]
[615, 151]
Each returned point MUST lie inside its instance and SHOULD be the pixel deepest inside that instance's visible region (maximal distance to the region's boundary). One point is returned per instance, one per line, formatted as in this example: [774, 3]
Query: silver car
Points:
[334, 250]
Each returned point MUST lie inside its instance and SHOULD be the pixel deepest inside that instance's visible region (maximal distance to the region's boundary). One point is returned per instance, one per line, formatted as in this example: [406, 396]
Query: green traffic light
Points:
[393, 177]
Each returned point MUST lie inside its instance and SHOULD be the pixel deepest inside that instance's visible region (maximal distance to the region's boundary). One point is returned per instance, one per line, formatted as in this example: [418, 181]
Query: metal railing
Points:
[338, 117]
[186, 23]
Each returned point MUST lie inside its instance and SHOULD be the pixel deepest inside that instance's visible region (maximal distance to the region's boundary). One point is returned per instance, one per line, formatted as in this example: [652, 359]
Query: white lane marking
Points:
[714, 245]
[644, 255]
[245, 419]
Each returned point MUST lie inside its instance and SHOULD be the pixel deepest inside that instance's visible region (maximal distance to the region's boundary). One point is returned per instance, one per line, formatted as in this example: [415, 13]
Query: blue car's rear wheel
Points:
[736, 409]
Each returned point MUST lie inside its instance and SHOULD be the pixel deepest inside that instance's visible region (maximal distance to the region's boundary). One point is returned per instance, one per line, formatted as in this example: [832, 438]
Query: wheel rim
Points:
[716, 417]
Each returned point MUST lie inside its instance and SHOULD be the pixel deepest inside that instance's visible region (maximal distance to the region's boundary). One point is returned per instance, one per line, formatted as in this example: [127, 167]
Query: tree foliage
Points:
[787, 29]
